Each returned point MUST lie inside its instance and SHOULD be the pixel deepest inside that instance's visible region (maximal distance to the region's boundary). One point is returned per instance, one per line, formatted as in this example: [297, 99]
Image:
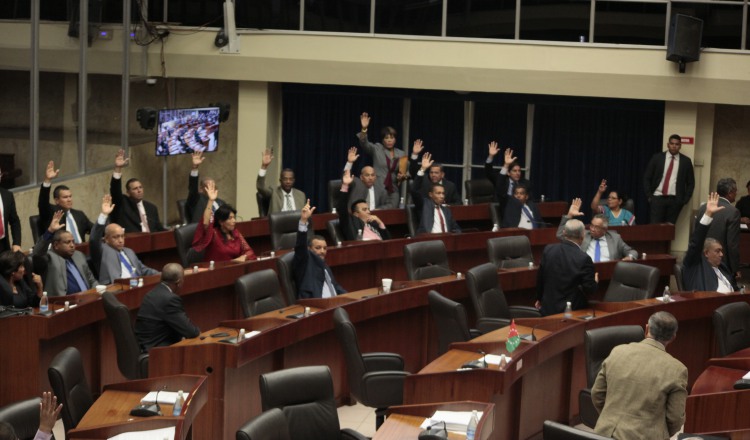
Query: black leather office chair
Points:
[334, 230]
[412, 219]
[69, 384]
[334, 188]
[34, 225]
[732, 327]
[495, 215]
[23, 416]
[677, 272]
[450, 320]
[631, 282]
[305, 395]
[283, 226]
[259, 292]
[133, 364]
[489, 302]
[268, 425]
[508, 252]
[558, 431]
[263, 203]
[183, 238]
[375, 379]
[598, 344]
[426, 259]
[479, 191]
[286, 275]
[183, 212]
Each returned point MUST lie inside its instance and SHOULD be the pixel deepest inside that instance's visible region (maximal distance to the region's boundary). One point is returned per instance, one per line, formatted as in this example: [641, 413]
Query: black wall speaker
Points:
[685, 34]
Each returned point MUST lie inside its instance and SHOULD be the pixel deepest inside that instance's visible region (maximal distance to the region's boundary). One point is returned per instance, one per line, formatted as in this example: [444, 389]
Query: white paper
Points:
[153, 434]
[743, 226]
[495, 359]
[455, 421]
[251, 334]
[165, 397]
[747, 376]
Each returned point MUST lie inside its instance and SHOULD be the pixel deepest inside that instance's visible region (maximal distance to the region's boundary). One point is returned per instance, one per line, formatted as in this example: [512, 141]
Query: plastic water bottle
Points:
[568, 311]
[495, 227]
[401, 203]
[44, 303]
[359, 235]
[666, 296]
[178, 404]
[471, 428]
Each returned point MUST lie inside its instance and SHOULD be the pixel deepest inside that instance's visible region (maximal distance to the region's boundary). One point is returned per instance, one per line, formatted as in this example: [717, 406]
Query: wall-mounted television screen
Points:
[187, 131]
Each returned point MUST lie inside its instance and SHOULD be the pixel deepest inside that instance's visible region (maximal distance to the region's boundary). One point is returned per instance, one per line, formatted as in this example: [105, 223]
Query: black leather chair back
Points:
[412, 219]
[69, 384]
[263, 203]
[286, 275]
[347, 335]
[183, 238]
[305, 395]
[132, 363]
[334, 230]
[334, 188]
[183, 212]
[485, 292]
[495, 214]
[598, 343]
[259, 292]
[732, 327]
[558, 431]
[450, 320]
[426, 259]
[283, 226]
[23, 416]
[631, 282]
[479, 191]
[34, 225]
[508, 252]
[677, 272]
[268, 425]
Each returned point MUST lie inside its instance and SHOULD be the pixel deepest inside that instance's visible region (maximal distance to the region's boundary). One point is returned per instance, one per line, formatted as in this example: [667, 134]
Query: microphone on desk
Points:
[477, 363]
[148, 409]
[532, 336]
[433, 432]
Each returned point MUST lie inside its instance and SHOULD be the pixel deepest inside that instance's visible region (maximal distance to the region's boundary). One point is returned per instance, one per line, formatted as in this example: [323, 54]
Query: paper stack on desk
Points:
[455, 421]
[165, 397]
[154, 434]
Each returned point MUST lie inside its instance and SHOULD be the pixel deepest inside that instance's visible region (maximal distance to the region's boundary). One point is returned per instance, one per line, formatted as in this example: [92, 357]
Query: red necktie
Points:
[442, 220]
[665, 187]
[2, 225]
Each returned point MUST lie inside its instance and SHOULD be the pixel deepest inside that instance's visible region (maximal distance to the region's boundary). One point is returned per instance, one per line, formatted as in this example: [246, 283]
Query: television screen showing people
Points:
[187, 131]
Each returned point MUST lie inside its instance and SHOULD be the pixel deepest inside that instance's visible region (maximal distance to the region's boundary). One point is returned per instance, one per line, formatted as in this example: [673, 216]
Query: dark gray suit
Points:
[697, 273]
[162, 319]
[725, 228]
[56, 282]
[106, 258]
[358, 190]
[196, 202]
[565, 273]
[618, 249]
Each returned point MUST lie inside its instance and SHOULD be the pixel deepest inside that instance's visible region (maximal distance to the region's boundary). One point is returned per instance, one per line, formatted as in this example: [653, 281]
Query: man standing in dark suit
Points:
[132, 212]
[74, 221]
[359, 218]
[520, 212]
[436, 176]
[566, 273]
[9, 223]
[508, 178]
[311, 273]
[161, 319]
[703, 268]
[197, 198]
[669, 182]
[725, 227]
[435, 218]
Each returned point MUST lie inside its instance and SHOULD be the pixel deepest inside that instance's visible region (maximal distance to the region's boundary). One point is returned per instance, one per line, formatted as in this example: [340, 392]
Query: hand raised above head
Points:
[493, 148]
[347, 178]
[352, 155]
[603, 186]
[198, 159]
[427, 161]
[55, 225]
[575, 208]
[211, 192]
[51, 172]
[712, 205]
[120, 159]
[107, 205]
[307, 212]
[417, 147]
[266, 158]
[364, 119]
[509, 157]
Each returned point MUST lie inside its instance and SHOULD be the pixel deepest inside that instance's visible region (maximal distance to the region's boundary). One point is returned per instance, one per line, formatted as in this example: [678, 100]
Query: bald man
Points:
[367, 187]
[111, 258]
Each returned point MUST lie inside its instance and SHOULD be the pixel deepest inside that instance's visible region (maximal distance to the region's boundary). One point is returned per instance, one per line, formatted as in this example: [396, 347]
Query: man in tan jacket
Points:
[641, 389]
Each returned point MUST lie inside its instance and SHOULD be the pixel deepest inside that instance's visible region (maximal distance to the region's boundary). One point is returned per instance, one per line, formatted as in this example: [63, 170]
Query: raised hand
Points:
[575, 208]
[211, 192]
[712, 206]
[417, 147]
[107, 206]
[427, 161]
[266, 158]
[352, 156]
[121, 160]
[55, 225]
[198, 159]
[347, 178]
[509, 158]
[364, 119]
[603, 186]
[49, 411]
[51, 172]
[307, 212]
[493, 149]
[37, 280]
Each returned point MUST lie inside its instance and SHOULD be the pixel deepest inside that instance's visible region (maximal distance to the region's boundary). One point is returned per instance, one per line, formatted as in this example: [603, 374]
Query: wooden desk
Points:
[110, 414]
[404, 420]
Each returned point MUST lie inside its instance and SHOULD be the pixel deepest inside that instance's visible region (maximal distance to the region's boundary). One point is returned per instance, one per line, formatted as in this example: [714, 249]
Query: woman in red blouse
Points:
[217, 235]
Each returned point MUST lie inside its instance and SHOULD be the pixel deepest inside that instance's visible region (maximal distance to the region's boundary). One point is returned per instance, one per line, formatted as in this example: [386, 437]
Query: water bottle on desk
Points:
[666, 296]
[471, 428]
[568, 311]
[359, 235]
[178, 404]
[44, 303]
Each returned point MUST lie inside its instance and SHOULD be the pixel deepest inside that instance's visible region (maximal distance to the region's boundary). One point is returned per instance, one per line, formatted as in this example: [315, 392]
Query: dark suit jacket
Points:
[162, 320]
[126, 213]
[56, 280]
[422, 184]
[725, 228]
[196, 202]
[427, 218]
[350, 224]
[501, 182]
[11, 221]
[565, 273]
[358, 190]
[106, 259]
[308, 271]
[697, 273]
[685, 176]
[744, 206]
[47, 210]
[512, 213]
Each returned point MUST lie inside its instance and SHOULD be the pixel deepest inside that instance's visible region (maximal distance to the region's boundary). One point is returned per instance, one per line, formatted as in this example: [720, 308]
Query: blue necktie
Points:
[527, 211]
[125, 262]
[76, 283]
[71, 227]
[597, 252]
[511, 187]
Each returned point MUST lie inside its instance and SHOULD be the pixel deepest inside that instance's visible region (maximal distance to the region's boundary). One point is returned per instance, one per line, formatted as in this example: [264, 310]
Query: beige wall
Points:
[731, 146]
